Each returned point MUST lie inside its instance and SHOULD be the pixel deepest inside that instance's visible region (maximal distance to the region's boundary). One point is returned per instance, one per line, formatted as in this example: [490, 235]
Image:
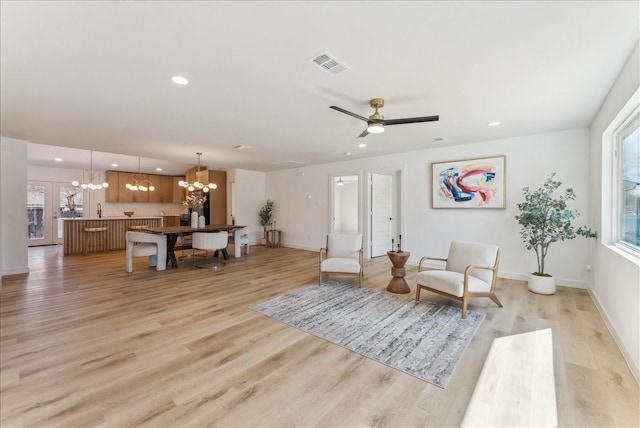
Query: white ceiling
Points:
[96, 75]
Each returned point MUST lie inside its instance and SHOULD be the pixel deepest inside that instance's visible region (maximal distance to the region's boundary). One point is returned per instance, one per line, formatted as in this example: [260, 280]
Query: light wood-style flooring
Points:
[82, 343]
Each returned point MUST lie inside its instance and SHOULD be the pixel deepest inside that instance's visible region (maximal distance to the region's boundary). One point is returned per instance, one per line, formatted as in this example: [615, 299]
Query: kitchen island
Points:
[74, 235]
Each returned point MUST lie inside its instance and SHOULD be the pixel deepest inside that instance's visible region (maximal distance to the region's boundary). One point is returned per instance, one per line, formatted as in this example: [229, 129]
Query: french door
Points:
[47, 204]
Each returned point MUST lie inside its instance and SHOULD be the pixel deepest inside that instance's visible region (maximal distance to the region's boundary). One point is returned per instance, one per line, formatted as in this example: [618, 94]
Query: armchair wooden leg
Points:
[319, 277]
[464, 307]
[495, 299]
[417, 292]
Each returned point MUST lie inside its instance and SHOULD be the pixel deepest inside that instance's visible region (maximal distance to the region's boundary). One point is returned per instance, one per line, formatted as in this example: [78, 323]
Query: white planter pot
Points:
[542, 284]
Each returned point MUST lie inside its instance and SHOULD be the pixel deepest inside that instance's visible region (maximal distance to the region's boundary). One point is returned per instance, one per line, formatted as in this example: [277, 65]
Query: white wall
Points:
[13, 212]
[616, 277]
[301, 195]
[247, 199]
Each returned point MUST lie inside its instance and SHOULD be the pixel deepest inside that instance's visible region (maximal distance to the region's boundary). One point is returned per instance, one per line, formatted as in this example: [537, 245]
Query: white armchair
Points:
[471, 271]
[141, 244]
[342, 254]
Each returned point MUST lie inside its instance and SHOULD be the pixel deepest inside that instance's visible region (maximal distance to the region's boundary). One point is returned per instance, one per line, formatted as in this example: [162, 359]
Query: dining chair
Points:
[141, 244]
[210, 241]
[242, 241]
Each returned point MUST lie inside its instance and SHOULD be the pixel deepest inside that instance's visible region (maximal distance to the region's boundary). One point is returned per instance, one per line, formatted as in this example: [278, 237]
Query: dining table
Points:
[173, 232]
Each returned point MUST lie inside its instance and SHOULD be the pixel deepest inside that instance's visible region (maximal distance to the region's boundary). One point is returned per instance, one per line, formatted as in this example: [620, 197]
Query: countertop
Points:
[116, 218]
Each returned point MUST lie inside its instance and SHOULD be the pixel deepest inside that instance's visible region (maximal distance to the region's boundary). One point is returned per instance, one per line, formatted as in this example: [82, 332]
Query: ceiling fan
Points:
[376, 122]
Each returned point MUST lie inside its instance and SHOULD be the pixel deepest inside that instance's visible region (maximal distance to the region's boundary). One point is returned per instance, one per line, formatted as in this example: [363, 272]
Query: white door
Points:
[47, 204]
[381, 214]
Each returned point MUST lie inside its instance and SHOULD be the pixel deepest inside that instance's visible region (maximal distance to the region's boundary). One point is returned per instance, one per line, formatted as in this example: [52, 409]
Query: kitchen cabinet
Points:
[126, 195]
[217, 197]
[166, 190]
[162, 194]
[177, 191]
[171, 220]
[112, 190]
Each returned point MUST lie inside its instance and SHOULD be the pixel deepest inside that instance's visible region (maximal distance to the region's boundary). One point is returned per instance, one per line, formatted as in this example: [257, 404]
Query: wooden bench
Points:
[516, 386]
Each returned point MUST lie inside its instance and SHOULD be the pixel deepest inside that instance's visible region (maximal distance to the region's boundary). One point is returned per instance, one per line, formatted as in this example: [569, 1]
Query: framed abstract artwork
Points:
[472, 183]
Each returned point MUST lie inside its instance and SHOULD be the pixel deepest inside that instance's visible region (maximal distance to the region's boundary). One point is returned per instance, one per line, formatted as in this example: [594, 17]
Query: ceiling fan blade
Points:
[364, 133]
[341, 110]
[411, 120]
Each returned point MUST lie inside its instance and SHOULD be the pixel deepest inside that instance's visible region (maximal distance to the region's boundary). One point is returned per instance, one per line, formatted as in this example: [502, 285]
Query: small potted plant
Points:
[545, 219]
[266, 214]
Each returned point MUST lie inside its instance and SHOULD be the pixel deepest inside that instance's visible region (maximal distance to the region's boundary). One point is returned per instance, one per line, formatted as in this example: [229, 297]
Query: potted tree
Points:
[545, 219]
[266, 215]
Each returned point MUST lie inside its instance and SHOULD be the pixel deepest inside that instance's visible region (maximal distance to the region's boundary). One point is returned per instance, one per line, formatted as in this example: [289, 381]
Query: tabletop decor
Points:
[473, 183]
[421, 339]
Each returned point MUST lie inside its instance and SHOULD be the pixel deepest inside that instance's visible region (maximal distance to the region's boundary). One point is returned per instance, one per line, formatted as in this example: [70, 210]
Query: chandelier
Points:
[90, 179]
[140, 182]
[197, 185]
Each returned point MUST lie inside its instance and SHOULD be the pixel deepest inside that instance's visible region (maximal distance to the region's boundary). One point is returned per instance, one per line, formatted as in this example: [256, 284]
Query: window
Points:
[627, 151]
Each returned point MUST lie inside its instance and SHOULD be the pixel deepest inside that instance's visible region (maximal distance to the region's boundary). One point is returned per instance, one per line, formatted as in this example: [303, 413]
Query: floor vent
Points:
[329, 63]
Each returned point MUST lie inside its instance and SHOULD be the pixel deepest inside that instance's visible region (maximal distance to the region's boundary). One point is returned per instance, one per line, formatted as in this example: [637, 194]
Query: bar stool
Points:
[95, 233]
[138, 228]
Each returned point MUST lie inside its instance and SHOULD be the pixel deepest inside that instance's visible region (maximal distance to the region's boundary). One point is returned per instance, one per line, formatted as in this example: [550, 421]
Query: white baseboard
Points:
[509, 275]
[15, 271]
[635, 370]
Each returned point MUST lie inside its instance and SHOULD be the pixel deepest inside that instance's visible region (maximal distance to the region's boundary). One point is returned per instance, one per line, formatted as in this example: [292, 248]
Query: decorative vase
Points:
[194, 220]
[201, 222]
[542, 284]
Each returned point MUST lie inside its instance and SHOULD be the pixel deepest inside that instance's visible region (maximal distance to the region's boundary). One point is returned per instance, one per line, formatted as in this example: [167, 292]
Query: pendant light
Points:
[140, 182]
[92, 180]
[196, 185]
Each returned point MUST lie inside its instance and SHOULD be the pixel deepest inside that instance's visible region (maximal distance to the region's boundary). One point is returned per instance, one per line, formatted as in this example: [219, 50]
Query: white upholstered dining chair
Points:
[141, 244]
[210, 241]
[242, 240]
[342, 254]
[471, 271]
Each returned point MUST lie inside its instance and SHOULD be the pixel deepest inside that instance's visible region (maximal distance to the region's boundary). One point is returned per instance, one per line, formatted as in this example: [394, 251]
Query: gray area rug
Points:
[417, 338]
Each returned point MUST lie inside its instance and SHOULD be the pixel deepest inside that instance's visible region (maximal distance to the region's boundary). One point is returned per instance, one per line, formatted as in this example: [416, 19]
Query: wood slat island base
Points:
[74, 234]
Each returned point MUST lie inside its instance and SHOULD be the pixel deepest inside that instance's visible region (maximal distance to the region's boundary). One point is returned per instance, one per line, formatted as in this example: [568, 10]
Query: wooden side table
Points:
[398, 284]
[273, 238]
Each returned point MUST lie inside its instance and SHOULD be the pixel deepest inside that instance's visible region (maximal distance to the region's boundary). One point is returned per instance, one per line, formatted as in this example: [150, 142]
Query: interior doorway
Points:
[345, 206]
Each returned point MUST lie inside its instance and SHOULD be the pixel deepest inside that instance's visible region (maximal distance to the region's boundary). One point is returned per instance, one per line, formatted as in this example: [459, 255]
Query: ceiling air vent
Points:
[329, 63]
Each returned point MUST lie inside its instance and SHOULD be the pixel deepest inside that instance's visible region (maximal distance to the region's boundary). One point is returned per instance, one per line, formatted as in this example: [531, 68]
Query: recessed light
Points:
[180, 80]
[494, 123]
[115, 165]
[58, 159]
[347, 153]
[362, 145]
[158, 169]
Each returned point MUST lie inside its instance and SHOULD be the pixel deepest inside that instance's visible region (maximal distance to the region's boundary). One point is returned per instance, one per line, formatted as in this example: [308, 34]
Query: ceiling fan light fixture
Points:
[375, 128]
